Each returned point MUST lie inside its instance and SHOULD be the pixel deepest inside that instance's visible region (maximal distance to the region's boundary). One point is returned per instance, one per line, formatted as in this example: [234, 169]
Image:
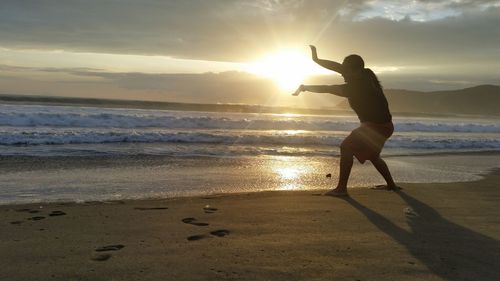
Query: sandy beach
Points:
[445, 231]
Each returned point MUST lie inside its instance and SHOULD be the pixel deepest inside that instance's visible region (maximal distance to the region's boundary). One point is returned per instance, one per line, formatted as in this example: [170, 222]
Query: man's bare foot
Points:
[387, 187]
[337, 192]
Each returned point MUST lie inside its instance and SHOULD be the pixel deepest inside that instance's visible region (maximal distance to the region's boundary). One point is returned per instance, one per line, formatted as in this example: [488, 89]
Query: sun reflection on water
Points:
[289, 186]
[289, 115]
[293, 132]
[289, 173]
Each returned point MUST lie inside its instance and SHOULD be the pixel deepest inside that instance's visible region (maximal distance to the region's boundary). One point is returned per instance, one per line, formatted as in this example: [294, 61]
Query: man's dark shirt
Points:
[367, 99]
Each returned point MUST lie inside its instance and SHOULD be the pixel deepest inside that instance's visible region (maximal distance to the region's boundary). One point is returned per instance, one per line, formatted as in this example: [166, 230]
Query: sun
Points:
[288, 68]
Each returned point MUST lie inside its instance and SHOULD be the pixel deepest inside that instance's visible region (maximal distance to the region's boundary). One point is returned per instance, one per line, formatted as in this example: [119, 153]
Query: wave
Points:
[62, 136]
[130, 136]
[66, 117]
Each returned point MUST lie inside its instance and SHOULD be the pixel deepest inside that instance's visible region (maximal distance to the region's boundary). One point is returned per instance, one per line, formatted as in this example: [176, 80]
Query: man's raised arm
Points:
[328, 64]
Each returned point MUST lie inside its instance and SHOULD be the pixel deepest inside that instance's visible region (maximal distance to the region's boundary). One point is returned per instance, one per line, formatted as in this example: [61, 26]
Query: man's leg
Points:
[382, 168]
[346, 161]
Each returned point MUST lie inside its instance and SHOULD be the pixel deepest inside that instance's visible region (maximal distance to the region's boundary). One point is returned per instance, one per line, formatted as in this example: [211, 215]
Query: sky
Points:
[240, 51]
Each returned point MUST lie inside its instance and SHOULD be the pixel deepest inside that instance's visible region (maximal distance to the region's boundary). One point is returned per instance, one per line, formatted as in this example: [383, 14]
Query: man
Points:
[366, 97]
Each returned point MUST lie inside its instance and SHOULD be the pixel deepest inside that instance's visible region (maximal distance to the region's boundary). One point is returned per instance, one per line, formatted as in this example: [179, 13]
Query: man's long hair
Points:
[371, 75]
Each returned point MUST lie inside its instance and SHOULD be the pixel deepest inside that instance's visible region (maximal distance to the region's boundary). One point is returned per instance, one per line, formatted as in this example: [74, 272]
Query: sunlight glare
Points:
[289, 115]
[288, 173]
[288, 68]
[293, 132]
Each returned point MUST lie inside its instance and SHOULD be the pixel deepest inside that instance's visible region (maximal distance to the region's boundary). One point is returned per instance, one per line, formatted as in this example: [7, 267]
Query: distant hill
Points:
[479, 100]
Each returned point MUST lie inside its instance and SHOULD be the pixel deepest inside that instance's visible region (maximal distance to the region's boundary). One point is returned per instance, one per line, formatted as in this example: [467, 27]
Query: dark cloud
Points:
[470, 38]
[239, 30]
[219, 29]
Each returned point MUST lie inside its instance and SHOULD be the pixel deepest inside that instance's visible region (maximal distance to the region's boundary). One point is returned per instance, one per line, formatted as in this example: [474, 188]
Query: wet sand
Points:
[446, 231]
[77, 179]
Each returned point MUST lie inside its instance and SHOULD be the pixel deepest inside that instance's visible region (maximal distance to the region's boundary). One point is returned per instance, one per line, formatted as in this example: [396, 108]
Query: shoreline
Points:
[153, 200]
[436, 231]
[87, 179]
[482, 176]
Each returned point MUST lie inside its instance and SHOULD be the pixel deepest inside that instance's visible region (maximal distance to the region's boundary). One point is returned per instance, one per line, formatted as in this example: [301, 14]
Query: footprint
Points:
[220, 232]
[196, 237]
[114, 202]
[26, 210]
[110, 248]
[101, 257]
[209, 210]
[193, 221]
[16, 222]
[57, 213]
[36, 218]
[147, 209]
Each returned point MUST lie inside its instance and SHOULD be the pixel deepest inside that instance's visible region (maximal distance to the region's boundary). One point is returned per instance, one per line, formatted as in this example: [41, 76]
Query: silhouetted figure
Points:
[366, 98]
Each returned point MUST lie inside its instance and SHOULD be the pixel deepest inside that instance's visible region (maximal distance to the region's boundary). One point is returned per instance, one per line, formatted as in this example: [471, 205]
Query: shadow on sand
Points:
[451, 251]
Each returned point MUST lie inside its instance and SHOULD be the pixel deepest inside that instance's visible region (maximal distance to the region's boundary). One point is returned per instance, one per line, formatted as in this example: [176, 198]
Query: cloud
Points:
[434, 43]
[217, 30]
[224, 87]
[470, 38]
[417, 10]
[243, 29]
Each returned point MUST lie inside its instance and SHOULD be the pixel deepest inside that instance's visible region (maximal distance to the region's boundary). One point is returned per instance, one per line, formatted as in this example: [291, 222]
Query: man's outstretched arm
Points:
[329, 89]
[328, 64]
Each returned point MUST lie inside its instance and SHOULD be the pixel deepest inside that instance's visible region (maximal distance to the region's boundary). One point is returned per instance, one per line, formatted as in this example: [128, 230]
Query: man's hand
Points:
[314, 53]
[299, 89]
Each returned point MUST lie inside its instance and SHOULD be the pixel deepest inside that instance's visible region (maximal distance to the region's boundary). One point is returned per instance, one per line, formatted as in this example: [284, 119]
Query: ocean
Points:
[41, 130]
[58, 151]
